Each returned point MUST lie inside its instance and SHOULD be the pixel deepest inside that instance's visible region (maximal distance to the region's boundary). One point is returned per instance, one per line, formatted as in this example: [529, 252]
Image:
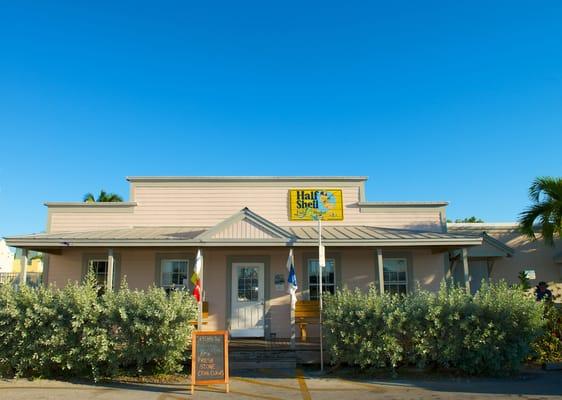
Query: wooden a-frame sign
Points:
[209, 359]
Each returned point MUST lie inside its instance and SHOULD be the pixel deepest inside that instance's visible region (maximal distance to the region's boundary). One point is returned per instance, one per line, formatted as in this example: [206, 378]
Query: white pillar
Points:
[23, 269]
[110, 262]
[381, 270]
[466, 270]
[293, 327]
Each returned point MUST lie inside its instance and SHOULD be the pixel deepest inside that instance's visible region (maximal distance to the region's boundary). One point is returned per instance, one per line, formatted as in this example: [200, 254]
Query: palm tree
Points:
[546, 194]
[103, 197]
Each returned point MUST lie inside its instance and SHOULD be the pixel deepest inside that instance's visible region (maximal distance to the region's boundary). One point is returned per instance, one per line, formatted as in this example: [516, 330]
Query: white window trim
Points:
[173, 285]
[245, 299]
[335, 284]
[399, 282]
[91, 262]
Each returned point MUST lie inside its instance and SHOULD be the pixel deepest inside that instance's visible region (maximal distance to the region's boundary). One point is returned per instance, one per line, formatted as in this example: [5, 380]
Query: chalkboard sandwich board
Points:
[209, 358]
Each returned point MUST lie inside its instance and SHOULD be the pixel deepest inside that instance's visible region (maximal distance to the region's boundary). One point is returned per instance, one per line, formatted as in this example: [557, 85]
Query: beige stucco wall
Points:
[429, 269]
[65, 267]
[204, 204]
[528, 255]
[357, 270]
[138, 267]
[89, 216]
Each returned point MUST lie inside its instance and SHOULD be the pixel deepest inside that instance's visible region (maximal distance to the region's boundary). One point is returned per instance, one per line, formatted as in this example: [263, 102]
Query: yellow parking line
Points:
[302, 385]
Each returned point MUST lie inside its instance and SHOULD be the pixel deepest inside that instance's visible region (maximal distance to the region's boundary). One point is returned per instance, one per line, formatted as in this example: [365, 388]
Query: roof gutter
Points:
[87, 204]
[245, 178]
[374, 204]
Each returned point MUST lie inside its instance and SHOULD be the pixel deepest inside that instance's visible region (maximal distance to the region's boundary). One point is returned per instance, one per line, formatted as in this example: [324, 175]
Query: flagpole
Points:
[293, 328]
[321, 290]
[200, 303]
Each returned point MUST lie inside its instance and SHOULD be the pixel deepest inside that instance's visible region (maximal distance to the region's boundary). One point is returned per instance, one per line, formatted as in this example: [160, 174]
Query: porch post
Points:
[452, 265]
[490, 264]
[23, 269]
[110, 261]
[466, 270]
[381, 270]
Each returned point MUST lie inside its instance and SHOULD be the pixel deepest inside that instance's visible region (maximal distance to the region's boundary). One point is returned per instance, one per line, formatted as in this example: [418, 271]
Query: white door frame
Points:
[257, 328]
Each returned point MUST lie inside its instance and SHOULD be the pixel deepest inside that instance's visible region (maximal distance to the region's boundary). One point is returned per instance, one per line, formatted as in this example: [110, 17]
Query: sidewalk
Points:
[290, 384]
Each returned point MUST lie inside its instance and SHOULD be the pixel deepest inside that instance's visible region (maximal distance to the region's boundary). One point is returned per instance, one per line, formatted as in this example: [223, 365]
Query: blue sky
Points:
[457, 101]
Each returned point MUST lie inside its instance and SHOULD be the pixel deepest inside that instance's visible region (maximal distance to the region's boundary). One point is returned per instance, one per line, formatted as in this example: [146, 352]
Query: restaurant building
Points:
[245, 227]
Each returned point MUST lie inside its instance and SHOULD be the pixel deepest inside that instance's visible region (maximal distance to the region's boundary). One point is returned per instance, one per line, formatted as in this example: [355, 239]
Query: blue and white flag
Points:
[292, 279]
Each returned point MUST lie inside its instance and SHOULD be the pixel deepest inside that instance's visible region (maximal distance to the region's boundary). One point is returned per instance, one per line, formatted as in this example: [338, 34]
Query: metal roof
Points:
[333, 235]
[492, 246]
[137, 233]
[357, 235]
[362, 232]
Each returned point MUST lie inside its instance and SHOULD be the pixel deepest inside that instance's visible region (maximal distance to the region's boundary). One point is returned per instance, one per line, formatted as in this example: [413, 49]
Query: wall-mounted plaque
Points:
[279, 282]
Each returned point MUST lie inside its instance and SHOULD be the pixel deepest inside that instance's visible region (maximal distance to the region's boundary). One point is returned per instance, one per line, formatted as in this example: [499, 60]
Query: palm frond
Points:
[546, 214]
[89, 198]
[103, 197]
[114, 198]
[546, 185]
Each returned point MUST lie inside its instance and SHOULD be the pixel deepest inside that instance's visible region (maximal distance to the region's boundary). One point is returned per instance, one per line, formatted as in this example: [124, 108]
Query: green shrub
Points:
[489, 333]
[75, 332]
[362, 329]
[548, 347]
[150, 328]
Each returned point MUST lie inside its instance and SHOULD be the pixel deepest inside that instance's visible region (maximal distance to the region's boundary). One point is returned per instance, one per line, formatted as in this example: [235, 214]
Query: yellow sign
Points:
[311, 204]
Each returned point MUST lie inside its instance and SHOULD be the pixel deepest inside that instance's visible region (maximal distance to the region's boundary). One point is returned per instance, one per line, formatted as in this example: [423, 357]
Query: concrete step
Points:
[309, 357]
[248, 359]
[250, 365]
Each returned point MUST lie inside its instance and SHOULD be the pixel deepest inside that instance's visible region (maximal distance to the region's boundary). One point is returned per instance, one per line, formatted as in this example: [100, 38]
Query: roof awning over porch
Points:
[246, 228]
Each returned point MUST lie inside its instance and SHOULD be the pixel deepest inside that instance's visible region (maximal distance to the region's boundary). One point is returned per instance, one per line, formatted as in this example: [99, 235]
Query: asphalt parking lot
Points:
[291, 384]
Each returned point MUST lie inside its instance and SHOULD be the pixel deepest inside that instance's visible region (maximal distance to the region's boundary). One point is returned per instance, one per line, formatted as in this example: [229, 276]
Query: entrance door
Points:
[247, 301]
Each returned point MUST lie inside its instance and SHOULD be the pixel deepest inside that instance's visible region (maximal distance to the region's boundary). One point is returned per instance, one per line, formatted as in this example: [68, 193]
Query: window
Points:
[328, 278]
[173, 274]
[395, 275]
[248, 286]
[99, 268]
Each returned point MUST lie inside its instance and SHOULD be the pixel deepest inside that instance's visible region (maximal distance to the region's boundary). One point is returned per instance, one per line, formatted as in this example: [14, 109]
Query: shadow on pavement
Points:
[536, 382]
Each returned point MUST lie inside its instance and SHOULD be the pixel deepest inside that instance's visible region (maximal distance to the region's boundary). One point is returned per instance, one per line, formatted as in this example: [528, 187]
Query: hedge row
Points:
[74, 331]
[488, 333]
